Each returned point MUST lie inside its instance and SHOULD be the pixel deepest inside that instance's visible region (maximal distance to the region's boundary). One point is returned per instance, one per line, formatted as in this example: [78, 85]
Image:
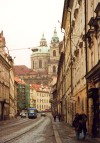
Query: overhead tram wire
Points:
[20, 49]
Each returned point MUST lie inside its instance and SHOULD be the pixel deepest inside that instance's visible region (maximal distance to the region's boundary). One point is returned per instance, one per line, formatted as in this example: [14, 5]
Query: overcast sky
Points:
[23, 23]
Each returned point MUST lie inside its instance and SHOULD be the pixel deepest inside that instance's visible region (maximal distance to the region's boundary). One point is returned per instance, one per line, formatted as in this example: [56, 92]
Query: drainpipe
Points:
[71, 56]
[86, 53]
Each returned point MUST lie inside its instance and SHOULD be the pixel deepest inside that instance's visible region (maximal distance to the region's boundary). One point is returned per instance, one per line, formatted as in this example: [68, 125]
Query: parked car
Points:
[43, 114]
[23, 115]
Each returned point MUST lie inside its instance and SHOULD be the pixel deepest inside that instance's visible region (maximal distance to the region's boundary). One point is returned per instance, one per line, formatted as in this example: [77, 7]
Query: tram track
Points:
[11, 124]
[16, 124]
[10, 139]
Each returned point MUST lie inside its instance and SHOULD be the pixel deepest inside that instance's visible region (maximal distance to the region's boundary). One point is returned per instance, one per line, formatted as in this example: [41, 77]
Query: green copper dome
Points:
[55, 38]
[43, 48]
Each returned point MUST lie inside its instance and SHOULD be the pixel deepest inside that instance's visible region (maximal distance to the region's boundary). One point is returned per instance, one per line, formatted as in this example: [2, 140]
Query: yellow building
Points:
[42, 99]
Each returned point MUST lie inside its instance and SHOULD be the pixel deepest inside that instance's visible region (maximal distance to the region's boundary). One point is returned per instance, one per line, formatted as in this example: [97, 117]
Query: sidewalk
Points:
[66, 134]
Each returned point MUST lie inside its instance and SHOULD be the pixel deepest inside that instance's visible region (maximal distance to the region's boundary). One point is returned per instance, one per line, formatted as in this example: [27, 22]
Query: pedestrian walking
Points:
[54, 116]
[59, 117]
[83, 117]
[77, 125]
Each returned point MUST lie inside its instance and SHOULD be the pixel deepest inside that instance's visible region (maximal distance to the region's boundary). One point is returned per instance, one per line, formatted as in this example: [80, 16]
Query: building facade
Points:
[93, 71]
[7, 97]
[80, 21]
[23, 95]
[44, 60]
[39, 61]
[54, 56]
[12, 95]
[32, 96]
[42, 99]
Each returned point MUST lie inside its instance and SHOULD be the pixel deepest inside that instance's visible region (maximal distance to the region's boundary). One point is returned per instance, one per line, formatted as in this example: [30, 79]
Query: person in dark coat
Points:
[59, 117]
[83, 117]
[77, 125]
[54, 116]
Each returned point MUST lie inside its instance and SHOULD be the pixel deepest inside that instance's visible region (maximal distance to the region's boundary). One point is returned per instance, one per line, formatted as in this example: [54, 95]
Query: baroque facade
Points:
[79, 63]
[44, 60]
[93, 64]
[44, 63]
[54, 57]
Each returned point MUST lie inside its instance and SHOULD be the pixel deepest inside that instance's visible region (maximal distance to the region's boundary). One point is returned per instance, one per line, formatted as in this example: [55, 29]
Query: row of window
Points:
[40, 61]
[42, 95]
[42, 106]
[43, 100]
[41, 66]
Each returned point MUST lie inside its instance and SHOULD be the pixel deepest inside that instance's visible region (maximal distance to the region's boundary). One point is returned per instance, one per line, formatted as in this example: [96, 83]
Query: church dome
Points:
[43, 48]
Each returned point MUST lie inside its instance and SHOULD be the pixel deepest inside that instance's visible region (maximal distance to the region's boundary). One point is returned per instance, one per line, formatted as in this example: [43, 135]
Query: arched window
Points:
[40, 63]
[54, 69]
[54, 53]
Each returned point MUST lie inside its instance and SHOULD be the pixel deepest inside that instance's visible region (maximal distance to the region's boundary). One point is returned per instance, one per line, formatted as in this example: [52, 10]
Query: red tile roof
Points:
[35, 86]
[38, 87]
[23, 70]
[18, 80]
